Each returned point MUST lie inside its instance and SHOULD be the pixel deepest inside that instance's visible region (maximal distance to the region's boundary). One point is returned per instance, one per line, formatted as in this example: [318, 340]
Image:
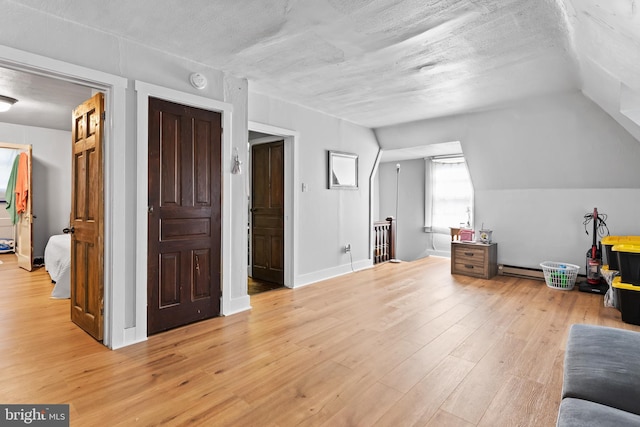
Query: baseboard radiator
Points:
[527, 273]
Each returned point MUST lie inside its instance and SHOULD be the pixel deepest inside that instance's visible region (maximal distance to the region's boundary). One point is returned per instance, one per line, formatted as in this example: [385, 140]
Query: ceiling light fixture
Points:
[6, 102]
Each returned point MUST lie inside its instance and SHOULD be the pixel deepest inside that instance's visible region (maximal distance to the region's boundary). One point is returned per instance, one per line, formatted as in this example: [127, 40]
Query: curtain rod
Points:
[447, 156]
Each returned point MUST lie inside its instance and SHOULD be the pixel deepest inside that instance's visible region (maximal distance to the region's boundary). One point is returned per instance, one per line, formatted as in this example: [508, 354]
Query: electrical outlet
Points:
[347, 248]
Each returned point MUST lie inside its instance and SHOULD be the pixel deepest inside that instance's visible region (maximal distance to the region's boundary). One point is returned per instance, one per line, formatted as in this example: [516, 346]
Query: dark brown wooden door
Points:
[184, 215]
[87, 217]
[267, 208]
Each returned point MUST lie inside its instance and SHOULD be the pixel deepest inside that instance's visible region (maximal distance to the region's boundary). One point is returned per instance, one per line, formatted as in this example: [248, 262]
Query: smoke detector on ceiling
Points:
[198, 80]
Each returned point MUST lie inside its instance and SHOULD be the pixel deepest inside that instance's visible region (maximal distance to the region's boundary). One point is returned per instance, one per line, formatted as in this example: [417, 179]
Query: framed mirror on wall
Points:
[343, 170]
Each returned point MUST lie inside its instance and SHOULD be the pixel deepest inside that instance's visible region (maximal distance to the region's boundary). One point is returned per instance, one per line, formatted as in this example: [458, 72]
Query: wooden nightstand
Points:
[474, 259]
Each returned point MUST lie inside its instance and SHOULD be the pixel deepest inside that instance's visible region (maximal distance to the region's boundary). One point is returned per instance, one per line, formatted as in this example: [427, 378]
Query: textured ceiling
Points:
[378, 62]
[375, 62]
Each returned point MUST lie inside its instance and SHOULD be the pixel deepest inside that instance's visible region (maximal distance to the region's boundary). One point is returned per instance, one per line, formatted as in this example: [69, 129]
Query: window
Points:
[7, 155]
[450, 199]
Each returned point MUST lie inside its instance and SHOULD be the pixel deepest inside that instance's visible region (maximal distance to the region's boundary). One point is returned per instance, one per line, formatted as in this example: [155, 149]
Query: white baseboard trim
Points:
[236, 305]
[445, 254]
[320, 275]
[129, 336]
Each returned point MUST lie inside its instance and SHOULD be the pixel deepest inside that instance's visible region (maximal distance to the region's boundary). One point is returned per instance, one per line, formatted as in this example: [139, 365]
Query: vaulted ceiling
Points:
[383, 62]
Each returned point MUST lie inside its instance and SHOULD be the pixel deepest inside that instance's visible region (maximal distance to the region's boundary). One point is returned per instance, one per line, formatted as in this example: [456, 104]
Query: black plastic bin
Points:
[628, 263]
[629, 299]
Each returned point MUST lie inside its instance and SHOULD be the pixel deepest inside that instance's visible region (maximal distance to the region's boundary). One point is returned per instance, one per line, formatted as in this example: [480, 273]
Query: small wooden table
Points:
[474, 259]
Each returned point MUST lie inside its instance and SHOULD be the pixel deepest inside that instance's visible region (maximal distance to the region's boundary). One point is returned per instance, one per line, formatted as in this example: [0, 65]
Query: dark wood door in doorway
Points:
[267, 210]
[184, 215]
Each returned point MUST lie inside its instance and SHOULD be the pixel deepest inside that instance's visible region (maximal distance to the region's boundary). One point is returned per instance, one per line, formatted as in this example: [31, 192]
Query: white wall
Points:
[536, 225]
[51, 186]
[537, 167]
[326, 219]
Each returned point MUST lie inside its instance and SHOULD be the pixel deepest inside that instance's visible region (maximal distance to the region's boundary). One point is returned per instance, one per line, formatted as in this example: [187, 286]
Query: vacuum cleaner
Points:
[594, 283]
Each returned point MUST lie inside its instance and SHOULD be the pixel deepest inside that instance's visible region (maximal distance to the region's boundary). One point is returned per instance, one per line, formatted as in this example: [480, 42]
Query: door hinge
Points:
[104, 115]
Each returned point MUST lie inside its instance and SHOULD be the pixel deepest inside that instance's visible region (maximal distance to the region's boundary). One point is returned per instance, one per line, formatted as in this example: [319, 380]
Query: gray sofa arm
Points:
[602, 365]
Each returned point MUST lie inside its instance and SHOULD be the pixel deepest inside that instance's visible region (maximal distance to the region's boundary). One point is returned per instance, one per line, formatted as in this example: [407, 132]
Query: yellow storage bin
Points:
[609, 241]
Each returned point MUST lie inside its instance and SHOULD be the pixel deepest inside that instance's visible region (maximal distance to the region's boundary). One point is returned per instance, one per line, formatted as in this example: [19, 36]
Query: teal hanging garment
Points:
[11, 192]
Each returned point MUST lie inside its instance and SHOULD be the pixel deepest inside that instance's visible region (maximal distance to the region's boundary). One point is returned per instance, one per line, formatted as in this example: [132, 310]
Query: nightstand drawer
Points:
[469, 255]
[469, 269]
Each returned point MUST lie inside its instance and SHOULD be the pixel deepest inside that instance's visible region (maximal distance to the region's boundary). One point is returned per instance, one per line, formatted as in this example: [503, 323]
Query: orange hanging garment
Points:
[22, 183]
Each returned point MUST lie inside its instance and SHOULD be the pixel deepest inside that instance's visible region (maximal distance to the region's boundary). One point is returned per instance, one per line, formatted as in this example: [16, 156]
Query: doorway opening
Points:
[47, 94]
[266, 213]
[16, 202]
[275, 147]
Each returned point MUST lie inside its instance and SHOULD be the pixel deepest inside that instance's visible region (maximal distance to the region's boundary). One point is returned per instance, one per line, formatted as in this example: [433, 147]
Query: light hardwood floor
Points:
[398, 344]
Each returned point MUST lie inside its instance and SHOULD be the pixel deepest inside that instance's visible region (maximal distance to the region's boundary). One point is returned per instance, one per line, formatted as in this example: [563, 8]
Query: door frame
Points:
[290, 138]
[114, 140]
[228, 304]
[21, 149]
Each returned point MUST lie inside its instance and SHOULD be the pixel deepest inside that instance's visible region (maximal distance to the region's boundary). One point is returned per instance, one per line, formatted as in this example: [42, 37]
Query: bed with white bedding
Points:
[57, 261]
